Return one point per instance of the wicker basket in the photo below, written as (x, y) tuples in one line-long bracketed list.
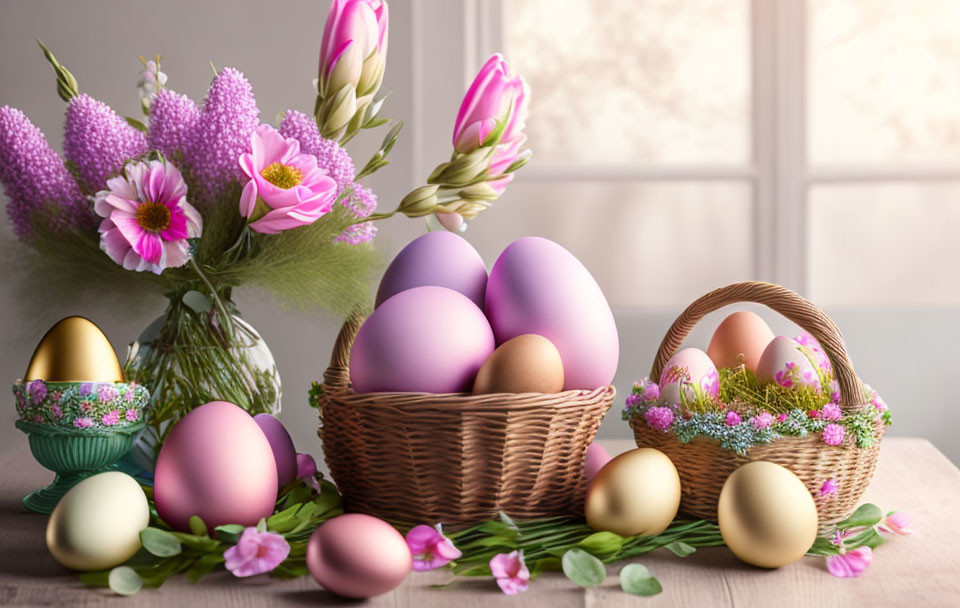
[(456, 459), (704, 466)]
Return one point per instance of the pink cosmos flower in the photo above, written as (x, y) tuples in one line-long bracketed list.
[(833, 434), (732, 418), (829, 487), (256, 552), (147, 217), (430, 548), (510, 571), (111, 418), (659, 418), (897, 522), (831, 411), (286, 189), (849, 564), (763, 420), (83, 423)]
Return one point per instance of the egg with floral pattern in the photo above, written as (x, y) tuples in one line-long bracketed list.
[(692, 370), (784, 362)]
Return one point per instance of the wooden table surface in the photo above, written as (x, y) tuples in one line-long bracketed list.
[(920, 570)]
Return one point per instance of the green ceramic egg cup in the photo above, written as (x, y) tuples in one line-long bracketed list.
[(74, 455)]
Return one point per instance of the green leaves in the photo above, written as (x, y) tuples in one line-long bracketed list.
[(866, 515), (124, 580), (602, 544), (680, 548), (160, 542), (582, 568), (636, 579), (197, 527), (229, 533)]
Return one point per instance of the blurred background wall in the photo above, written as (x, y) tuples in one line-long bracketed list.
[(679, 145)]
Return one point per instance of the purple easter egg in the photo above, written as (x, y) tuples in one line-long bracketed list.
[(538, 287), (597, 457), (282, 445), (442, 259), (425, 339)]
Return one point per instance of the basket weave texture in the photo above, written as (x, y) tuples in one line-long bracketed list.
[(704, 466), (456, 459)]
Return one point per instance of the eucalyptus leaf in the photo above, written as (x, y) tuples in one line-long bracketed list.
[(680, 548), (160, 542), (124, 580), (636, 579), (866, 515), (197, 527), (582, 568), (197, 301)]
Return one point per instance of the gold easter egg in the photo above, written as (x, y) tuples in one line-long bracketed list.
[(638, 492), (74, 350), (767, 516)]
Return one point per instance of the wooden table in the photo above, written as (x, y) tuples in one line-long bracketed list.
[(921, 570)]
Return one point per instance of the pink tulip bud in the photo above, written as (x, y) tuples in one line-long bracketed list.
[(494, 97)]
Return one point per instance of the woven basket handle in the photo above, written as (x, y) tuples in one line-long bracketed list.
[(784, 301), (338, 373)]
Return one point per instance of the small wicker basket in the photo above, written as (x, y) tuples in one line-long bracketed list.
[(704, 466), (456, 459)]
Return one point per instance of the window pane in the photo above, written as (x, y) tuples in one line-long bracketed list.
[(885, 244), (647, 244), (884, 82), (633, 81)]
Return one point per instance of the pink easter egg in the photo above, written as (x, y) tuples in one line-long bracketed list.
[(538, 287), (597, 457), (358, 556), (692, 369), (425, 339), (282, 445), (784, 362), (216, 464)]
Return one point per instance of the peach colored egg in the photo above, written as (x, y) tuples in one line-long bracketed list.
[(216, 464), (358, 556), (784, 362), (742, 334), (526, 364), (692, 368)]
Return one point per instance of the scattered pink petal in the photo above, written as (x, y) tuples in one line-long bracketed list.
[(850, 564), (897, 522), (829, 487), (256, 553), (430, 548), (510, 571)]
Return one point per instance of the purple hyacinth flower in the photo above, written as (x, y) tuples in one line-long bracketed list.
[(330, 156), (227, 122), (34, 176), (358, 233), (173, 123), (98, 141)]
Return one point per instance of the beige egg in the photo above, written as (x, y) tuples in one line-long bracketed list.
[(526, 364), (767, 516), (742, 334), (97, 524), (638, 492)]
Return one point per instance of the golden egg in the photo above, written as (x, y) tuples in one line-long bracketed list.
[(767, 516), (638, 492), (741, 337), (97, 524), (74, 350), (525, 364)]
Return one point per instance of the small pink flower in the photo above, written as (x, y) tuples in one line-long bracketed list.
[(849, 564), (129, 394), (38, 418), (814, 414), (110, 418), (829, 487), (106, 393), (55, 396), (510, 571), (286, 189), (763, 420), (659, 418), (781, 417), (430, 548), (131, 415), (831, 411), (37, 390), (632, 400), (86, 406), (879, 404), (307, 471), (833, 434), (83, 422), (57, 412), (897, 522), (256, 552), (733, 418)]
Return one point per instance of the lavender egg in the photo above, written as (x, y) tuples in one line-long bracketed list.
[(538, 287), (216, 464), (282, 445), (425, 339), (358, 556), (440, 258)]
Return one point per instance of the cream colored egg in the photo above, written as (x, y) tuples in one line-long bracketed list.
[(767, 516), (638, 492), (97, 524)]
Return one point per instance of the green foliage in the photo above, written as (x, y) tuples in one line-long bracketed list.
[(582, 568), (740, 388), (124, 580), (637, 580)]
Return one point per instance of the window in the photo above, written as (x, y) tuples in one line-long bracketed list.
[(682, 145)]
